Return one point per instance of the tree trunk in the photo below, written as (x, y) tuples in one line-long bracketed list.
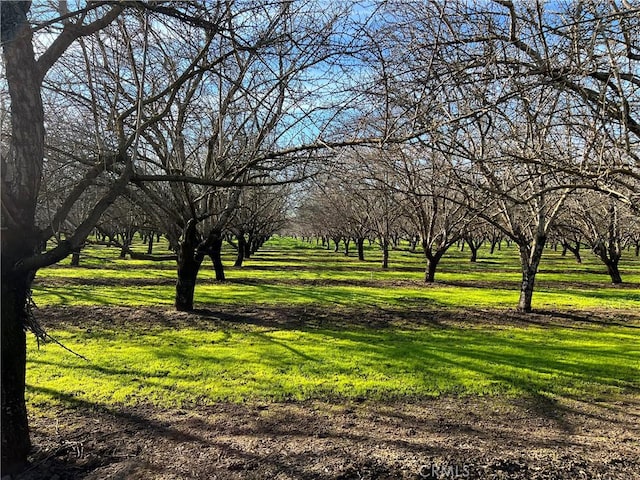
[(347, 243), (17, 244), (241, 249), (526, 290), (577, 256), (247, 247), (530, 257), (21, 178), (15, 428), (188, 266), (610, 256), (150, 246), (75, 258), (613, 271), (385, 253), (186, 284), (574, 250), (215, 253), (360, 243), (430, 271), (433, 259)]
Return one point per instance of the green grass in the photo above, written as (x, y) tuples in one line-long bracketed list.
[(289, 272), (183, 366), (352, 296)]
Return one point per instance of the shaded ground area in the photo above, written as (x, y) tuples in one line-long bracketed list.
[(418, 315), (447, 437), (474, 437), (373, 283)]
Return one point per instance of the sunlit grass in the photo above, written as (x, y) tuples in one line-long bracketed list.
[(352, 296), (181, 366), (170, 367), (290, 272)]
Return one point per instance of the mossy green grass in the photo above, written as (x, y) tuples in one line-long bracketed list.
[(292, 272), (180, 366), (177, 367)]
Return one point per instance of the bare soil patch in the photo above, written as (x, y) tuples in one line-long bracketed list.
[(474, 438), (446, 437), (309, 317)]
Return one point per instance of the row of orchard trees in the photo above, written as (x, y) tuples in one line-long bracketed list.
[(177, 109), (528, 117), (258, 214), (420, 200)]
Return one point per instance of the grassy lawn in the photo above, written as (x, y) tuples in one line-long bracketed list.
[(290, 272), (175, 367), (168, 366)]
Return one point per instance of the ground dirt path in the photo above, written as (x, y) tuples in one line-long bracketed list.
[(440, 438)]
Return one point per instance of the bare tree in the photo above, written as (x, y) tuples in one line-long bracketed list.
[(604, 224), (104, 63), (426, 183), (22, 168), (262, 212)]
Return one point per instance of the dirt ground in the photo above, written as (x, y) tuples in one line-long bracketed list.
[(447, 437)]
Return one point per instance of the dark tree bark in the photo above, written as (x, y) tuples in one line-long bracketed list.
[(247, 248), (189, 261), (611, 258), (413, 243), (75, 258), (530, 257), (474, 246), (575, 250), (21, 176), (192, 249), (16, 288), (609, 249), (215, 252), (150, 245), (242, 246), (360, 244), (433, 259), (127, 240), (336, 242), (614, 272), (526, 290), (494, 241), (385, 252)]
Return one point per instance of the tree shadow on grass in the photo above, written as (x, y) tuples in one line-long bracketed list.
[(260, 441), (605, 320)]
